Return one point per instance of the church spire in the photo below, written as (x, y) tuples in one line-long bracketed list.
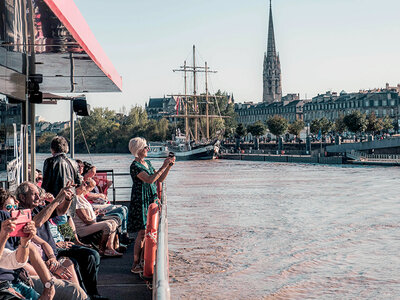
[(271, 36), (272, 88)]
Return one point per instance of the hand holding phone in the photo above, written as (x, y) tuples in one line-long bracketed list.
[(21, 217)]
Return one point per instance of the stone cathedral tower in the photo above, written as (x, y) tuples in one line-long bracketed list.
[(272, 86)]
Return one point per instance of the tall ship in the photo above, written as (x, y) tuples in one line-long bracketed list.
[(195, 143)]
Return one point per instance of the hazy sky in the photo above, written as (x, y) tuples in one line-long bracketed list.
[(323, 45)]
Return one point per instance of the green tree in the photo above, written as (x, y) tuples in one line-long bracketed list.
[(387, 124), (240, 130), (356, 122), (339, 126), (256, 129), (315, 126), (374, 124), (277, 125), (296, 127), (43, 142)]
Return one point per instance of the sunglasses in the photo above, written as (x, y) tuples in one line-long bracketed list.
[(147, 147), (9, 206)]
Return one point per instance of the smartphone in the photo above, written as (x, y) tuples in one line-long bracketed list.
[(171, 154), (22, 216)]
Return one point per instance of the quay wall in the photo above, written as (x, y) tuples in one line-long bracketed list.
[(284, 158)]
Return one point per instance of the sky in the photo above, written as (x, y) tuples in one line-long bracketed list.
[(324, 45)]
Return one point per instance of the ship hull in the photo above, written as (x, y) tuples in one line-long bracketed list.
[(201, 153)]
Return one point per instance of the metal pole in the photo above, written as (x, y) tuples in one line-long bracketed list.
[(186, 105), (72, 125), (72, 130), (25, 108), (32, 106), (207, 120), (194, 93)]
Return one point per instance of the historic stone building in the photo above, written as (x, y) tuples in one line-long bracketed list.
[(382, 102), (248, 113), (158, 108), (272, 85)]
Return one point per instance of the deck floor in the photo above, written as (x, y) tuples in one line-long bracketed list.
[(117, 282)]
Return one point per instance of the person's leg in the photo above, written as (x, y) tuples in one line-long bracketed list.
[(65, 290), (138, 250), (28, 292), (69, 265), (88, 261)]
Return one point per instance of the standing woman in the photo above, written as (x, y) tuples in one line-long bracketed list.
[(144, 192)]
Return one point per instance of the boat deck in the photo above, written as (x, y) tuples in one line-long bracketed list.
[(117, 282)]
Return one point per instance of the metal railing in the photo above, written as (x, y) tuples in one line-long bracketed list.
[(357, 155), (161, 290)]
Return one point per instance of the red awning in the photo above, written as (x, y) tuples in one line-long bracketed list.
[(69, 15)]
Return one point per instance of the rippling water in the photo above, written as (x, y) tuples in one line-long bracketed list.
[(258, 230)]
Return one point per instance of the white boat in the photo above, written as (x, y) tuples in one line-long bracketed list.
[(187, 150), (157, 150)]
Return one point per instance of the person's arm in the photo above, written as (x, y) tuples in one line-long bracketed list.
[(84, 216), (22, 252), (42, 271), (143, 176), (7, 226), (44, 215), (52, 262), (164, 175)]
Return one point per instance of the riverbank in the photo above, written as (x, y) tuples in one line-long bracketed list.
[(330, 160), (336, 160)]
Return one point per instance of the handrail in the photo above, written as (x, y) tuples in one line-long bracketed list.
[(161, 290)]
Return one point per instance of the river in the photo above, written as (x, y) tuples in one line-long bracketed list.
[(259, 230)]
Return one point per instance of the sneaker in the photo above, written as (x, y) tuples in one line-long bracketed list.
[(136, 269), (112, 253)]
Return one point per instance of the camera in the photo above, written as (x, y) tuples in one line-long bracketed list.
[(22, 217), (171, 154)]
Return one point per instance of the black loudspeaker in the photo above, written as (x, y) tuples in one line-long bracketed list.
[(35, 97), (81, 107)]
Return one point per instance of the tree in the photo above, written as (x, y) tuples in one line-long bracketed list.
[(315, 126), (240, 130), (339, 126), (374, 124), (296, 127), (387, 124), (356, 121), (326, 125), (277, 125), (256, 129)]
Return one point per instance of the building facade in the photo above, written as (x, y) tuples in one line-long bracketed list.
[(383, 102), (248, 113), (272, 84), (159, 108)]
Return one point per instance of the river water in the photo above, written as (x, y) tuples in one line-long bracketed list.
[(259, 230)]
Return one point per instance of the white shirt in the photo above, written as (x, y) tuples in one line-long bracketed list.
[(8, 260), (82, 203)]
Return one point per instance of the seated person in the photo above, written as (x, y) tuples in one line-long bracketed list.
[(86, 224), (63, 269), (28, 195), (21, 282), (120, 211)]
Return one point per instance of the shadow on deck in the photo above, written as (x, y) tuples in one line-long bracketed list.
[(117, 282)]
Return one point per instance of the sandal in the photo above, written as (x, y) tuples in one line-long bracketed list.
[(136, 269), (112, 253)]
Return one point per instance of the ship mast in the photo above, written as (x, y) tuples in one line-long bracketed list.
[(196, 137), (207, 119), (186, 104), (196, 116)]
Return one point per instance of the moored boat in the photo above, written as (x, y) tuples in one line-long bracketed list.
[(157, 150)]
